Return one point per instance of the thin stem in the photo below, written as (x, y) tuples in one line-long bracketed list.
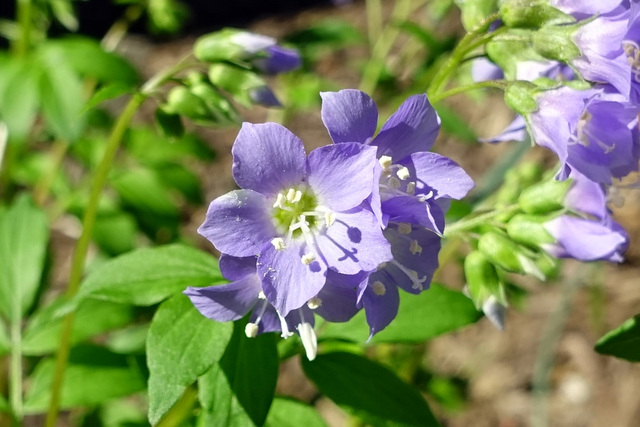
[(466, 45), (24, 12), (469, 224), (383, 45), (499, 84), (374, 21), (15, 369), (119, 29), (182, 410), (41, 191), (88, 222)]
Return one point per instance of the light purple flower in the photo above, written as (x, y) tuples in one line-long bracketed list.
[(586, 8), (589, 233), (336, 302), (300, 216), (414, 187), (267, 55)]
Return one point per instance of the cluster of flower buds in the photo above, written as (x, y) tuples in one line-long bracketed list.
[(339, 230), (236, 60)]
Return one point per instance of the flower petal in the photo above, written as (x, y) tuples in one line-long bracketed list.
[(380, 309), (244, 212), (353, 243), (338, 302), (342, 175), (441, 174), (267, 158), (416, 251), (288, 283), (410, 210), (269, 321), (236, 268), (227, 302), (412, 128), (349, 115)]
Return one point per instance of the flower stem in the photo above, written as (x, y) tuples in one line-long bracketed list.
[(500, 84), (469, 42), (470, 223), (15, 369), (24, 17)]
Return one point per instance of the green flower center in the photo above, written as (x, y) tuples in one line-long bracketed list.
[(294, 211)]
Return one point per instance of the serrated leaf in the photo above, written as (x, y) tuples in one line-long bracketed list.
[(149, 275), (368, 390), (93, 375), (23, 242), (181, 346), (62, 97), (622, 342), (420, 317), (93, 317), (239, 390), (292, 413)]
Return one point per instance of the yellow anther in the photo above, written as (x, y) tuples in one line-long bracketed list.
[(308, 258), (251, 330), (379, 288), (385, 161), (403, 173), (415, 248), (411, 187), (404, 228), (278, 243), (314, 303)]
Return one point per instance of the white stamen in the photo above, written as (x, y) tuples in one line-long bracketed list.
[(291, 194), (314, 303), (261, 295), (411, 187), (297, 197), (278, 243), (329, 218), (424, 197), (379, 288), (279, 201), (308, 258), (385, 161), (394, 183), (309, 340), (284, 327), (403, 173), (417, 283), (404, 228), (251, 330), (415, 247)]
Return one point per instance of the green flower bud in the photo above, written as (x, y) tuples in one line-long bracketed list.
[(556, 42), (548, 265), (238, 82), (482, 279), (220, 108), (505, 253), (531, 14), (520, 97), (220, 46), (545, 197), (475, 11), (180, 100), (529, 230)]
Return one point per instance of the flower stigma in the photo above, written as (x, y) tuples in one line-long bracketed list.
[(294, 210)]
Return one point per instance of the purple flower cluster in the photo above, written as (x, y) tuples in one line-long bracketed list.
[(335, 231)]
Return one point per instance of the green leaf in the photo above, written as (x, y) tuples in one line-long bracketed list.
[(170, 124), (62, 97), (23, 242), (128, 340), (5, 344), (148, 276), (93, 375), (63, 11), (93, 317), (420, 317), (292, 413), (19, 95), (182, 179), (4, 405), (116, 233), (143, 190), (239, 390), (147, 147), (86, 57), (182, 345), (368, 390), (622, 342), (105, 93)]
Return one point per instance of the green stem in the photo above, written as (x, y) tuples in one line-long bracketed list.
[(383, 45), (469, 42), (470, 223), (15, 369), (24, 12), (182, 410), (499, 84), (374, 21), (88, 222)]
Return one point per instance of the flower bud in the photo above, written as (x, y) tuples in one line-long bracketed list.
[(531, 14), (222, 111), (482, 278), (230, 45), (545, 197), (503, 252), (556, 42), (529, 230), (180, 100), (520, 97), (246, 86)]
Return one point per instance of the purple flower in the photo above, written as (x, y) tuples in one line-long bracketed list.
[(267, 55), (589, 233), (335, 302), (413, 187), (586, 8), (300, 217), (594, 132)]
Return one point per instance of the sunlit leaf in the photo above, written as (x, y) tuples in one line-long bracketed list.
[(622, 342), (292, 413)]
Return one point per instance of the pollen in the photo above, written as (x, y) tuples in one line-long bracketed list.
[(394, 183), (403, 173), (261, 295), (308, 258), (278, 243), (251, 330), (314, 303), (415, 247), (385, 161), (404, 228), (379, 288)]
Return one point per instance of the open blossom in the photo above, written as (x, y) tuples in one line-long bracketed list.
[(589, 233), (414, 187), (300, 217), (335, 302)]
